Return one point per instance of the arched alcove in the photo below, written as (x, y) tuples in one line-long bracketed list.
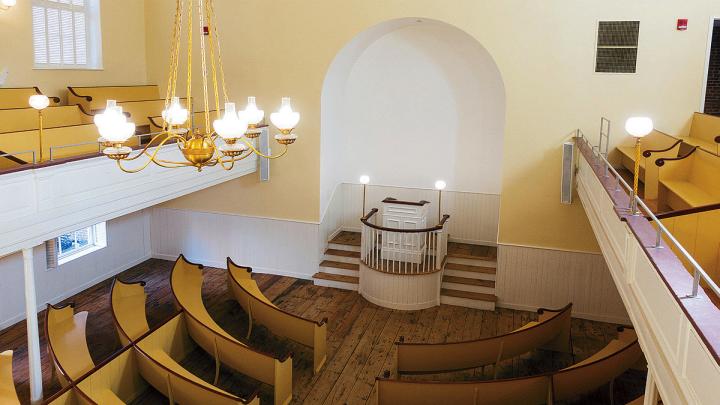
[(410, 101)]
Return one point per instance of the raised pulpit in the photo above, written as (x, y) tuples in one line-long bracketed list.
[(407, 247)]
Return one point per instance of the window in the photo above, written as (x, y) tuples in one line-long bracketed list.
[(76, 244), (66, 34), (617, 46)]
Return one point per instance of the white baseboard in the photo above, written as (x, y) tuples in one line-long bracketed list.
[(41, 306), (473, 241), (222, 265), (581, 315)]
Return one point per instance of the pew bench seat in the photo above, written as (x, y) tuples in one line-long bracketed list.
[(688, 193), (8, 395)]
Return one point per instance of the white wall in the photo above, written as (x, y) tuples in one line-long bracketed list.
[(128, 244), (410, 104)]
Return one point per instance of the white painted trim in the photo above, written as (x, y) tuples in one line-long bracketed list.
[(223, 265), (706, 71)]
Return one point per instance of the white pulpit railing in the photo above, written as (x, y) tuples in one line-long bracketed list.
[(402, 251)]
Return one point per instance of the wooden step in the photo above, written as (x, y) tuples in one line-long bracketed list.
[(467, 267), (468, 295), (347, 238), (469, 281), (470, 251), (337, 277), (343, 253), (340, 265)]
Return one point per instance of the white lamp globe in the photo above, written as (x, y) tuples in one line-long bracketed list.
[(113, 124), (39, 101), (440, 185), (175, 114), (639, 127), (285, 119), (8, 3), (231, 126), (252, 113), (364, 179)]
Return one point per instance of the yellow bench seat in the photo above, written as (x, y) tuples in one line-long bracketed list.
[(693, 195)]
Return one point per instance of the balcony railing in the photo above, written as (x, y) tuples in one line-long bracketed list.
[(403, 251)]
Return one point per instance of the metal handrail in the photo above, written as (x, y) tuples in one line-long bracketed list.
[(20, 153), (698, 272)]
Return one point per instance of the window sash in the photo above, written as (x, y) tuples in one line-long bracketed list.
[(57, 26), (91, 243)]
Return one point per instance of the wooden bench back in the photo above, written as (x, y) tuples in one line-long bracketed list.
[(20, 119), (67, 340), (19, 97), (69, 396), (141, 111), (127, 302), (117, 381), (8, 394), (95, 98), (705, 127), (432, 358)]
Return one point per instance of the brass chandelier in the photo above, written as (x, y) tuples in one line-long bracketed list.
[(232, 134)]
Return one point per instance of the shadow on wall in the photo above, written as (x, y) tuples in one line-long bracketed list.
[(411, 101)]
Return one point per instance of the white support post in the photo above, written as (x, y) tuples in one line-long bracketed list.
[(651, 391), (35, 367)]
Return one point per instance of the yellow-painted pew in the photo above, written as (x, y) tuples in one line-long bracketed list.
[(69, 396), (17, 97), (690, 182), (95, 98), (67, 342), (551, 331), (159, 351), (118, 381), (307, 332), (8, 394), (704, 130), (141, 112), (21, 119), (186, 282), (655, 141), (586, 376), (156, 121)]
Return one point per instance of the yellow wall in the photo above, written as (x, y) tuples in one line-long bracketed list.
[(544, 50), (123, 32)]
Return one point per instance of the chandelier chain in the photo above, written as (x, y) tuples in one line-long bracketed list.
[(203, 64), (216, 33), (211, 34)]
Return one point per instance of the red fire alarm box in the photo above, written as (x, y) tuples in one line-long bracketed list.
[(206, 30), (682, 24)]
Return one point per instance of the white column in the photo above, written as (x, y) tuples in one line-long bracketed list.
[(35, 367), (651, 392)]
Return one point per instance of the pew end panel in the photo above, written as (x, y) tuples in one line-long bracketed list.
[(704, 130), (117, 381), (69, 396), (67, 342), (127, 302), (8, 394), (563, 341)]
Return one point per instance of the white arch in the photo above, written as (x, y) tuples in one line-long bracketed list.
[(415, 100)]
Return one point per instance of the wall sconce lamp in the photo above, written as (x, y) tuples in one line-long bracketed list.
[(364, 180), (7, 4), (638, 128), (440, 186), (39, 102)]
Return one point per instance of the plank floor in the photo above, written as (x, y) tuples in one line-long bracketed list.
[(360, 338)]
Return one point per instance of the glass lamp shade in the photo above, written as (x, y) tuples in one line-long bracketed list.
[(252, 113), (364, 179), (232, 125), (285, 119), (175, 114), (440, 185), (39, 101), (639, 127), (113, 124), (8, 4)]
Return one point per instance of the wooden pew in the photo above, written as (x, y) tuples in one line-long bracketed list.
[(692, 180), (307, 332), (95, 97), (655, 141), (601, 368), (157, 351), (69, 396), (67, 342), (17, 97), (704, 132), (141, 112), (186, 282), (116, 381), (8, 395), (21, 119), (551, 331)]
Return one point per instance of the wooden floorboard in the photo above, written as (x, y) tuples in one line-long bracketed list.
[(360, 339)]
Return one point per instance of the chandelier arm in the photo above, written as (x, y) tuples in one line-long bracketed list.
[(257, 152), (211, 35), (151, 160), (219, 50), (148, 146)]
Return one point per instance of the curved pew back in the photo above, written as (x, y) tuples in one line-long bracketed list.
[(583, 377), (141, 111), (155, 355), (21, 119), (117, 381), (186, 282), (95, 98), (67, 342), (8, 395), (552, 331), (279, 322), (127, 301), (705, 127), (18, 97)]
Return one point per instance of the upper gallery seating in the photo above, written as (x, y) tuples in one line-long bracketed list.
[(21, 119), (95, 98), (8, 395), (660, 143), (156, 121), (261, 310), (186, 281), (18, 97), (690, 181), (141, 112), (551, 331), (583, 377), (159, 352), (67, 342), (704, 132)]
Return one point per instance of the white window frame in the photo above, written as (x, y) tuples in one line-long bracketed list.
[(97, 235), (93, 35)]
